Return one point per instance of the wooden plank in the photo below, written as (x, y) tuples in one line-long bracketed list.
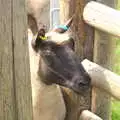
[(103, 78), (83, 33), (21, 62), (87, 115), (7, 106), (102, 17)]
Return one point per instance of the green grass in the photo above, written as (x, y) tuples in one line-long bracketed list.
[(116, 69), (118, 4), (116, 66), (115, 110)]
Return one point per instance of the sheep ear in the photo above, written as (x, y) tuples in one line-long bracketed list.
[(41, 32), (36, 43), (63, 28)]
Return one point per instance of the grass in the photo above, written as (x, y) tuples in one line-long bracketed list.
[(115, 110), (116, 69)]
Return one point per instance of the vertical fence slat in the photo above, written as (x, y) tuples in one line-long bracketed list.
[(21, 62), (103, 48), (15, 93), (7, 111)]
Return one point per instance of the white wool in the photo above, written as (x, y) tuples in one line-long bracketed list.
[(57, 37), (30, 36)]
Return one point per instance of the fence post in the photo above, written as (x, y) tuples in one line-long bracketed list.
[(15, 87), (103, 48)]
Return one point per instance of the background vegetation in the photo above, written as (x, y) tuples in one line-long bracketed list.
[(116, 68)]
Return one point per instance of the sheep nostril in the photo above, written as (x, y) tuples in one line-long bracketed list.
[(84, 83), (81, 84)]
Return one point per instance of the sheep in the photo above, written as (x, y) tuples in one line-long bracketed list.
[(52, 61)]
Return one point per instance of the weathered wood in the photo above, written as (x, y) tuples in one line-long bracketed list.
[(103, 78), (15, 88), (7, 106), (103, 50), (83, 33), (21, 62), (75, 103), (102, 17), (87, 115)]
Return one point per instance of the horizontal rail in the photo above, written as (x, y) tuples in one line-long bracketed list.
[(102, 17), (87, 115), (103, 78)]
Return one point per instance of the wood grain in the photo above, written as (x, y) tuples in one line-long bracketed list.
[(7, 106), (103, 78), (15, 88), (21, 62), (102, 17)]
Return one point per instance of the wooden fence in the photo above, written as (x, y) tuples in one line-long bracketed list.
[(102, 79), (106, 19), (15, 84), (96, 46)]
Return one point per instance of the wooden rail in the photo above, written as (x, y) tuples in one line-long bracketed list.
[(103, 78), (102, 17), (87, 115)]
